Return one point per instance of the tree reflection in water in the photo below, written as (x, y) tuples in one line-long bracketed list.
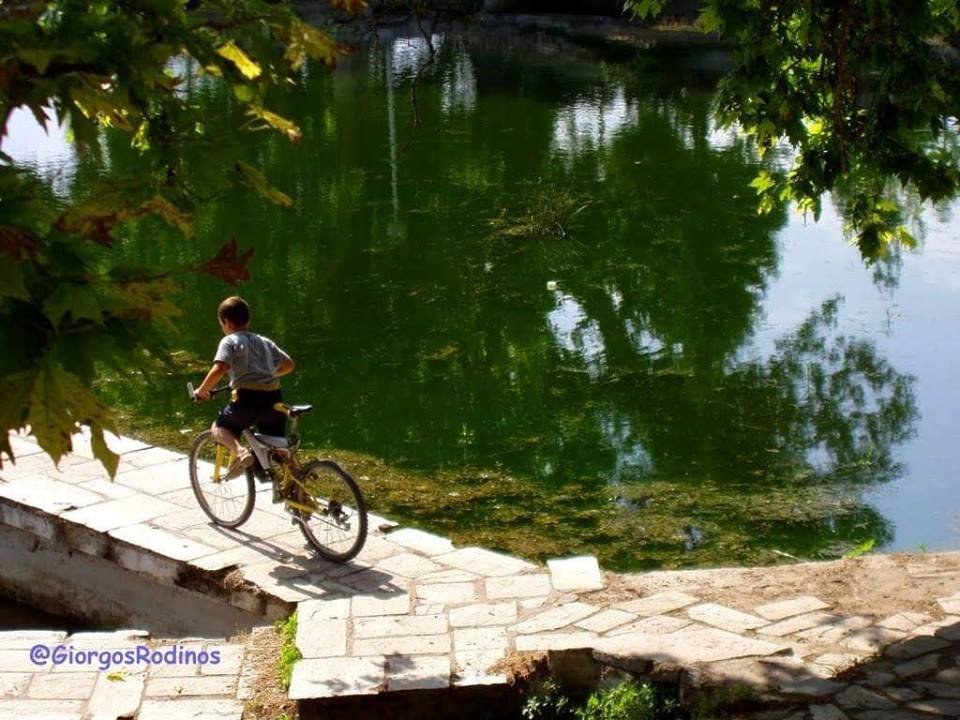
[(616, 415)]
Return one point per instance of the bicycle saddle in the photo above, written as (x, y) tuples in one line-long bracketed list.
[(293, 410)]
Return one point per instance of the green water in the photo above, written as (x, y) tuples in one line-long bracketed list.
[(536, 310)]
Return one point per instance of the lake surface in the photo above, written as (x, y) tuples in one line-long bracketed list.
[(536, 310)]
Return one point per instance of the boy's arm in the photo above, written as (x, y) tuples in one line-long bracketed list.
[(285, 367), (217, 371), (284, 363)]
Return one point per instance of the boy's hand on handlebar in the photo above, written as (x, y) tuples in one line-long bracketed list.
[(202, 395)]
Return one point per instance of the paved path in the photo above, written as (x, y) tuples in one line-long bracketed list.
[(415, 612)]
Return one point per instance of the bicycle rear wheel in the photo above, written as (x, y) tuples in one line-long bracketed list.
[(227, 502), (337, 527)]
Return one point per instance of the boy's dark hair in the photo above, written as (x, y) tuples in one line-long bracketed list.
[(234, 309)]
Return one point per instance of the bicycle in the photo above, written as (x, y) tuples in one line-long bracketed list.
[(322, 497)]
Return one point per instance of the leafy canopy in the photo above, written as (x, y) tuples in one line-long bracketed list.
[(67, 305), (865, 92)]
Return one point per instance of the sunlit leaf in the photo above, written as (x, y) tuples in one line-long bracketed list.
[(277, 122), (109, 459), (248, 68), (256, 179)]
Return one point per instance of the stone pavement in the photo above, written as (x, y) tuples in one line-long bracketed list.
[(413, 612), (88, 684)]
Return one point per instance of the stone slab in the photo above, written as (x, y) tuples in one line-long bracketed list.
[(50, 496), (947, 708), (919, 666), (187, 686), (26, 639), (605, 620), (518, 586), (826, 712), (14, 684), (221, 708), (656, 625), (914, 647), (22, 709), (555, 641), (555, 618), (334, 608), (476, 639), (950, 605), (231, 659), (871, 639), (337, 677), (859, 698), (474, 668), (936, 689), (148, 456), (161, 542), (322, 638), (445, 593), (725, 618), (113, 514), (484, 562), (65, 686), (116, 698), (420, 541), (658, 604), (156, 479), (576, 574), (399, 625), (407, 564), (789, 608), (484, 614), (429, 672), (690, 645), (379, 604), (403, 645)]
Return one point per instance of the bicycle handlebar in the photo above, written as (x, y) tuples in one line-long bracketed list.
[(193, 393)]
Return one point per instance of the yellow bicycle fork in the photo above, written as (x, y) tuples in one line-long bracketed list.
[(219, 464), (224, 459)]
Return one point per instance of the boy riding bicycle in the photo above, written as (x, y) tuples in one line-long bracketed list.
[(254, 363)]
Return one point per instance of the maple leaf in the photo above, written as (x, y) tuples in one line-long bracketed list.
[(226, 265), (17, 243)]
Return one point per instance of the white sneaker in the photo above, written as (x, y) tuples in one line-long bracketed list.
[(241, 462)]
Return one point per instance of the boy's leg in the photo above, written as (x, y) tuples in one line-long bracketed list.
[(225, 437)]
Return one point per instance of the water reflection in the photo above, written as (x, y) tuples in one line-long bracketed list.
[(615, 415)]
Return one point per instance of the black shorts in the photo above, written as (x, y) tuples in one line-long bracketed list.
[(253, 407)]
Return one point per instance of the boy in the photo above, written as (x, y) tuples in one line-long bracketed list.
[(254, 363)]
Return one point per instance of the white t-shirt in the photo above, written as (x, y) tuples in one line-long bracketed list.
[(251, 358)]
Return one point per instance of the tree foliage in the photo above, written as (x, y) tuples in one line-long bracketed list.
[(865, 92), (66, 304)]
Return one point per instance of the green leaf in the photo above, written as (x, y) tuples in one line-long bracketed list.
[(277, 122), (244, 93), (763, 182), (15, 391), (248, 68), (256, 179), (861, 549), (11, 280), (80, 300), (109, 459), (59, 403)]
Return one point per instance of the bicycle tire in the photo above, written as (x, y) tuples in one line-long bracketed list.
[(238, 485), (352, 538)]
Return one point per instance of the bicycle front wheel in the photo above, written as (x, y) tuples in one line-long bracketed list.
[(331, 510), (227, 502)]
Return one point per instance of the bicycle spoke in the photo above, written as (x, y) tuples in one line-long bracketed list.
[(337, 527), (227, 502)]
